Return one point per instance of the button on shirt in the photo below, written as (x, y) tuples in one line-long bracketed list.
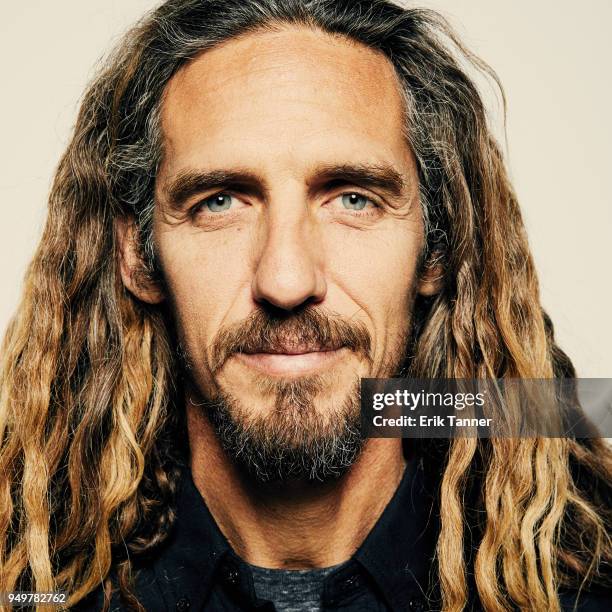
[(197, 570)]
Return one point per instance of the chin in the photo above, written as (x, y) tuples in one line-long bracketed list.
[(299, 436)]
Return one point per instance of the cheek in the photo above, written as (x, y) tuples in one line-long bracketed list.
[(377, 268), (204, 273)]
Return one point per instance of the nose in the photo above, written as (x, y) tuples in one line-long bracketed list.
[(289, 271)]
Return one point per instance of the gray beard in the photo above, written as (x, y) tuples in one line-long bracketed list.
[(295, 441)]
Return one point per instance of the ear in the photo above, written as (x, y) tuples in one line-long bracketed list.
[(131, 266), (431, 277)]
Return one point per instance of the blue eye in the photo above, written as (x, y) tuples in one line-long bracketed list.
[(218, 203), (354, 201)]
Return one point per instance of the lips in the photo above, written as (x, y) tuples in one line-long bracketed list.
[(291, 360), (311, 332), (292, 349)]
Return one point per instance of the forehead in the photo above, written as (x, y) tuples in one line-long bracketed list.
[(293, 91)]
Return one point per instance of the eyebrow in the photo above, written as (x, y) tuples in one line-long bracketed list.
[(375, 176), (189, 183)]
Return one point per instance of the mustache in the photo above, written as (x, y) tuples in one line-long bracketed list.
[(310, 329)]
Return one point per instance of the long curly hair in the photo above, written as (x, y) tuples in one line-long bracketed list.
[(91, 423)]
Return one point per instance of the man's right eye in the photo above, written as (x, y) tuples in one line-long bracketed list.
[(217, 203)]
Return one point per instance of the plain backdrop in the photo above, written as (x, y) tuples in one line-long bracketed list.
[(553, 58)]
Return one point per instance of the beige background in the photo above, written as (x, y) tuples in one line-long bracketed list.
[(553, 59)]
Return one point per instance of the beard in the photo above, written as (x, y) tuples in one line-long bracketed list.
[(295, 440)]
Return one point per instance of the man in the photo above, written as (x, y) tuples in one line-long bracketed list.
[(263, 203)]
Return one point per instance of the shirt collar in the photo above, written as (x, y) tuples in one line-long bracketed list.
[(195, 548), (397, 553)]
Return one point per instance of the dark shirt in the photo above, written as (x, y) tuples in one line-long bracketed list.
[(197, 570)]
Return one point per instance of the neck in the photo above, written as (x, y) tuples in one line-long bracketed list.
[(299, 525)]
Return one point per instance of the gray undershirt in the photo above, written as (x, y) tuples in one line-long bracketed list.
[(291, 590)]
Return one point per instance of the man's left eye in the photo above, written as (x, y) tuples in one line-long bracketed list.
[(355, 201)]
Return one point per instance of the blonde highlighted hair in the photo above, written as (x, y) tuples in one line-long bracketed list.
[(91, 424)]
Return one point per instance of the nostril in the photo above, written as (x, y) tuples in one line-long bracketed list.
[(288, 290), (278, 312)]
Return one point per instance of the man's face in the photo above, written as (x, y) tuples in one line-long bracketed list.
[(288, 228)]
